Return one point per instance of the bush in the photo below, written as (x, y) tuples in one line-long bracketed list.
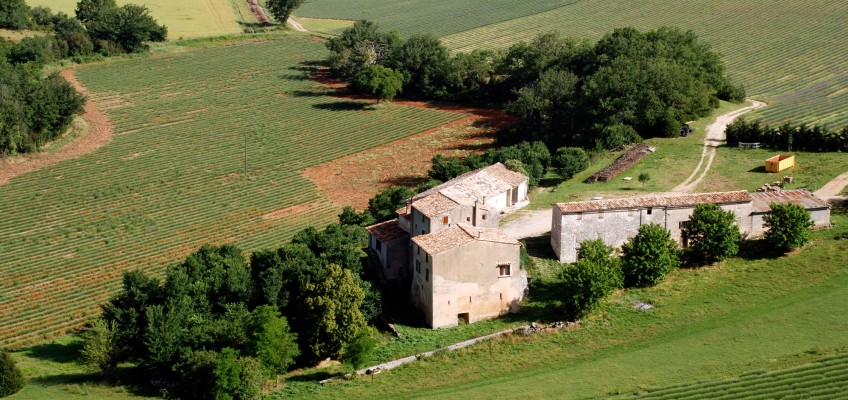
[(585, 283), (100, 349), (357, 352), (649, 256), (570, 161), (788, 226), (595, 250), (711, 233), (11, 378)]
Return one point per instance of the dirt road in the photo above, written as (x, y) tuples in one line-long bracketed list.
[(833, 189), (296, 25)]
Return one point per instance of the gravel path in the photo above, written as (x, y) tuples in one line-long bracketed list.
[(296, 25), (529, 223), (833, 189)]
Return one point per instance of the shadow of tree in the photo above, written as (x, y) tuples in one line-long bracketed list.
[(540, 246), (757, 249), (342, 106), (64, 353)]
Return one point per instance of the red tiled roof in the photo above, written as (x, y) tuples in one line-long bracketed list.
[(655, 201), (387, 231), (494, 175), (458, 235), (434, 205), (801, 197)]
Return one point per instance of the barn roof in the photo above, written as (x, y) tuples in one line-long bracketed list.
[(801, 197), (387, 231), (468, 188), (434, 243), (631, 203)]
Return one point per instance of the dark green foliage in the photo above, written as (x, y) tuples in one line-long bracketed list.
[(788, 226), (126, 311), (570, 161), (787, 137), (385, 83), (11, 378), (383, 206), (124, 28), (424, 63), (196, 374), (100, 350), (360, 47), (546, 107), (349, 216), (534, 156), (614, 136), (644, 177), (517, 166), (712, 233), (212, 277), (14, 14), (236, 378), (282, 9), (357, 352), (35, 49), (649, 257), (595, 275), (336, 244)]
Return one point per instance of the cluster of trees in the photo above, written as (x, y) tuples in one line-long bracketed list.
[(11, 378), (282, 9), (787, 136), (34, 109), (565, 92), (218, 326), (100, 27), (649, 256)]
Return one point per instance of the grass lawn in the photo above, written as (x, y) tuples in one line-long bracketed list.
[(186, 125), (750, 313), (325, 26), (184, 18)]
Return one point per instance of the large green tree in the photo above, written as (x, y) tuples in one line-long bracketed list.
[(649, 257), (385, 83), (271, 340), (282, 9), (587, 281), (14, 14), (788, 226), (570, 161), (332, 312), (712, 233)]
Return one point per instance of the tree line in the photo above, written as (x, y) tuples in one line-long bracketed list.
[(651, 255), (221, 324), (787, 137), (565, 92)]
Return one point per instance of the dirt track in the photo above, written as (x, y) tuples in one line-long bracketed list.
[(99, 133)]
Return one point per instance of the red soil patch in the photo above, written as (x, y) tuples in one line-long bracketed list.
[(354, 179), (258, 12), (99, 134)]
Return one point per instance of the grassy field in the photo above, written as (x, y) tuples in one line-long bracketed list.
[(748, 313), (184, 18), (173, 176)]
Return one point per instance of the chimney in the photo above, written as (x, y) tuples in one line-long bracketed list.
[(409, 205)]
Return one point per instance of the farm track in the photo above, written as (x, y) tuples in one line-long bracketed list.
[(99, 133)]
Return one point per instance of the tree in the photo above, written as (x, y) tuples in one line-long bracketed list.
[(649, 256), (788, 226), (546, 107), (384, 204), (236, 378), (100, 351), (712, 233), (357, 352), (425, 64), (569, 161), (516, 165), (595, 250), (271, 341), (385, 83), (14, 14), (11, 378), (282, 9), (644, 178), (586, 282), (332, 312)]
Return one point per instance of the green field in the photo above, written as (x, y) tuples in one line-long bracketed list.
[(184, 18), (172, 177), (824, 379), (790, 54)]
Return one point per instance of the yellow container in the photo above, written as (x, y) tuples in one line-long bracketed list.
[(779, 163)]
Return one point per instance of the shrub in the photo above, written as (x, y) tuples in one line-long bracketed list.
[(570, 161), (649, 256), (711, 233), (585, 283), (788, 226), (11, 378), (100, 349), (357, 352), (595, 250)]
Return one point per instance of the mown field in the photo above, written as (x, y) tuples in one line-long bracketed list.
[(173, 176), (184, 18), (790, 54)]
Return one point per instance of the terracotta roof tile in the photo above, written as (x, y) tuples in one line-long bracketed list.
[(458, 235), (801, 197), (387, 231), (434, 205), (655, 201), (478, 183)]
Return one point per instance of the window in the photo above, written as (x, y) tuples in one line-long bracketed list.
[(426, 257), (417, 265), (484, 216), (650, 211), (379, 244), (418, 250), (467, 219), (445, 220), (504, 270), (427, 274), (683, 224)]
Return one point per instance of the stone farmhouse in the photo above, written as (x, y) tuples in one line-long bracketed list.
[(616, 220), (446, 246)]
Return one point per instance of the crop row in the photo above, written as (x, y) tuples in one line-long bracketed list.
[(823, 379), (172, 176)]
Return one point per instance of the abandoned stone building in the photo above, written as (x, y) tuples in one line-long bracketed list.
[(616, 220), (474, 200)]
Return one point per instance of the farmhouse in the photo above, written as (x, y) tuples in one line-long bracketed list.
[(616, 220), (466, 273), (456, 224)]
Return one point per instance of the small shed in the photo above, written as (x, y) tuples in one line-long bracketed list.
[(779, 163)]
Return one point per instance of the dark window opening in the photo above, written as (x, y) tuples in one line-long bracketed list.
[(504, 270), (650, 211), (427, 274)]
